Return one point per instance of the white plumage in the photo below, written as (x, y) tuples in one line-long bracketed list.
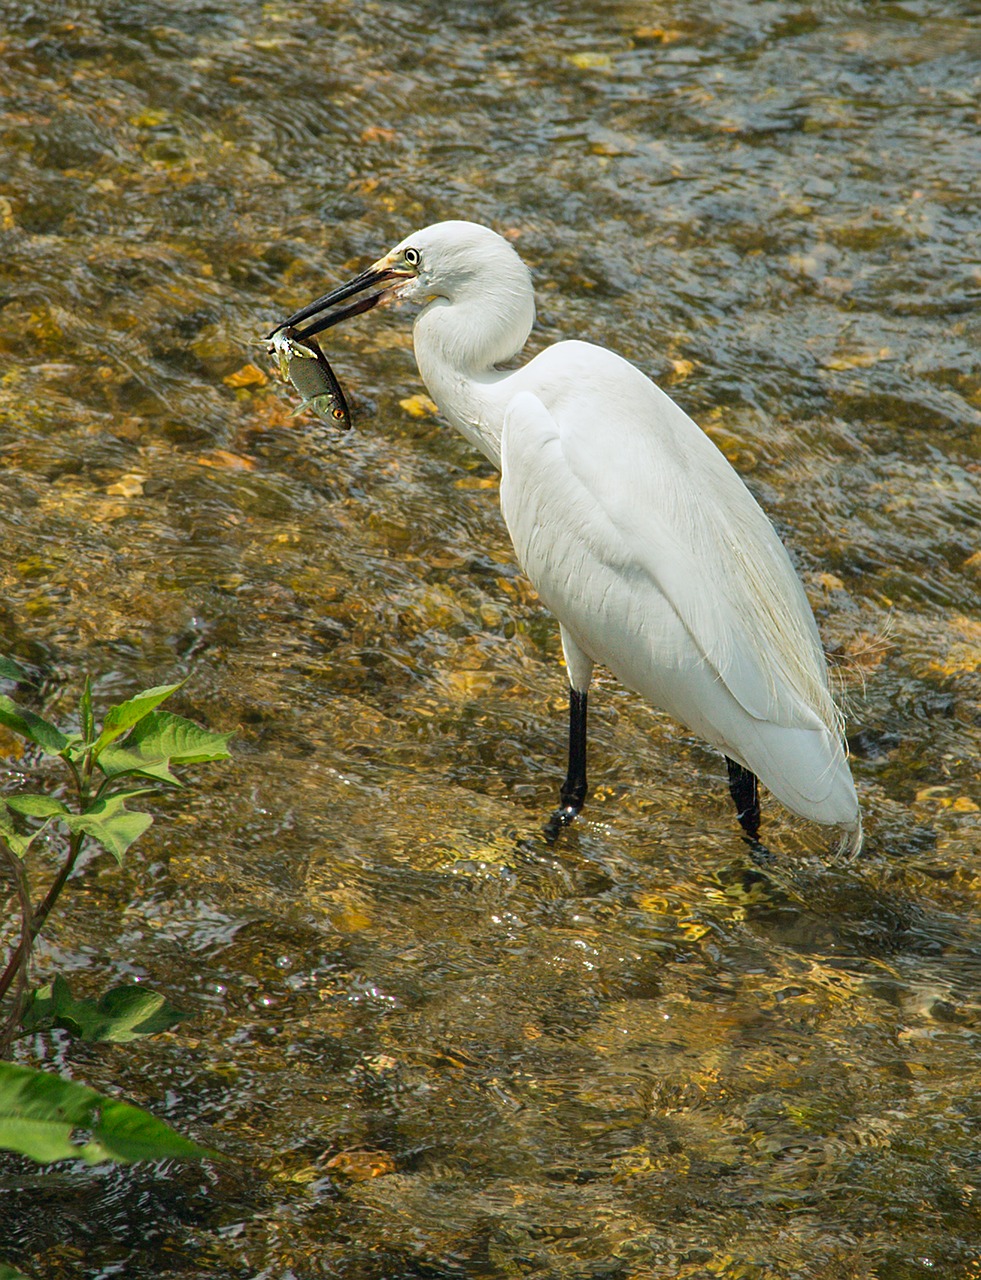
[(634, 529)]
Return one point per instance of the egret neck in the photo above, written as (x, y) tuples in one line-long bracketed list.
[(460, 340)]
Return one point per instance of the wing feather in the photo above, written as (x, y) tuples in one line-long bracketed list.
[(623, 489)]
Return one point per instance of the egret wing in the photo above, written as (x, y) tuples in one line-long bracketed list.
[(608, 487)]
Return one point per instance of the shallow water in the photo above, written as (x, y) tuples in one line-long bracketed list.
[(635, 1053)]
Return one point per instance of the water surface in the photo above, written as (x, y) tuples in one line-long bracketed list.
[(636, 1053)]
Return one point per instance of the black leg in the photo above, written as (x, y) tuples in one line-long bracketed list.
[(573, 792), (745, 792)]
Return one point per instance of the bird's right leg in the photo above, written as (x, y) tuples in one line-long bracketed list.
[(745, 791), (573, 792)]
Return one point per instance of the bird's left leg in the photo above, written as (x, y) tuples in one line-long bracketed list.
[(573, 793), (745, 791)]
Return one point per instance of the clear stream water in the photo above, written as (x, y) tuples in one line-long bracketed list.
[(633, 1054)]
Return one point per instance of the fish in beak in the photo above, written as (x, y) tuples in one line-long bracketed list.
[(306, 366)]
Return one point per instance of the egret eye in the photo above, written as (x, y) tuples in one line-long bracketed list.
[(411, 257)]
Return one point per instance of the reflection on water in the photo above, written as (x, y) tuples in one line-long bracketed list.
[(636, 1053)]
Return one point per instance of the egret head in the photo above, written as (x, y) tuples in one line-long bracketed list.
[(462, 264), (452, 260)]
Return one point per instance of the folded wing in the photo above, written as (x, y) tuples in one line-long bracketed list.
[(652, 553)]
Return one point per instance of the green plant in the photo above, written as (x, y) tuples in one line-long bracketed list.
[(132, 754), (47, 1118), (50, 1119)]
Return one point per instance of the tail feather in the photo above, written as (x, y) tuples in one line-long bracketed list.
[(851, 842)]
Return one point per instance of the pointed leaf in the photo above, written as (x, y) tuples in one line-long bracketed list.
[(49, 1006), (38, 1009), (111, 823), (165, 736), (9, 833), (132, 1011), (40, 1112), (35, 806), (120, 762), (10, 670), (122, 1014), (124, 716), (125, 1133), (12, 838), (46, 735), (43, 1140)]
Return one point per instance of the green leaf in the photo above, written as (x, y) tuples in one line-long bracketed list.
[(40, 1114), (125, 1133), (123, 717), (11, 1273), (14, 841), (43, 1140), (120, 762), (164, 736), (9, 833), (122, 1014), (46, 735), (10, 670), (35, 806), (160, 740), (111, 823)]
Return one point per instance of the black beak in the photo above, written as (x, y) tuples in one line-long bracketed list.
[(374, 275)]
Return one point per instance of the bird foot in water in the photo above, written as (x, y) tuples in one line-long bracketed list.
[(759, 853), (559, 819)]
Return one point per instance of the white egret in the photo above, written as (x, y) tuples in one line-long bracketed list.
[(633, 528)]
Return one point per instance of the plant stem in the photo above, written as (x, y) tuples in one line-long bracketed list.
[(75, 842), (34, 920), (17, 966)]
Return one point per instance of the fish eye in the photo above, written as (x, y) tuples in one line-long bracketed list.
[(411, 256)]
